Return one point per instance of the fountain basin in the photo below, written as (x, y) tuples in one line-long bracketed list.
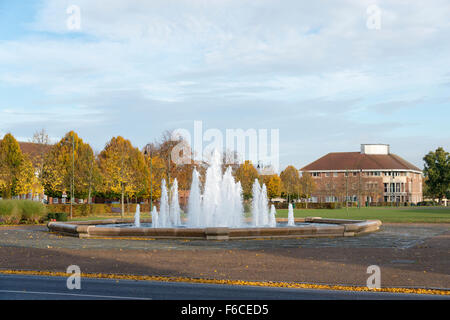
[(311, 227)]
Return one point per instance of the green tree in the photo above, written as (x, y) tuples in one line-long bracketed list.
[(437, 173)]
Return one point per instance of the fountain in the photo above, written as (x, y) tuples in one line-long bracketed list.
[(174, 207), (217, 213), (260, 205), (272, 219), (137, 217), (164, 209), (221, 202), (291, 220), (155, 218)]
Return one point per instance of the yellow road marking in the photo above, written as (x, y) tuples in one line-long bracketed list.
[(231, 282)]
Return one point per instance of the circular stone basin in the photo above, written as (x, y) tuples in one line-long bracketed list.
[(304, 228), (279, 225)]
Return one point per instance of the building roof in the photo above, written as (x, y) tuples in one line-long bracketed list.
[(359, 161), (33, 150)]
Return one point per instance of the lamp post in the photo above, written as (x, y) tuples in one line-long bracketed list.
[(346, 190), (359, 189), (73, 176)]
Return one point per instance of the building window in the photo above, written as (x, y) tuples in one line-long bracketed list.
[(335, 174)]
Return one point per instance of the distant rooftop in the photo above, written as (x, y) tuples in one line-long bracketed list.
[(371, 157)]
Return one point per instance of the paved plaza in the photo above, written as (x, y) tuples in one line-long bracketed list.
[(409, 255)]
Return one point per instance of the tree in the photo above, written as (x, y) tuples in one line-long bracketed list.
[(158, 172), (57, 172), (437, 173), (40, 137), (273, 183), (290, 179), (163, 150), (27, 180), (124, 170), (16, 169), (246, 174), (307, 186)]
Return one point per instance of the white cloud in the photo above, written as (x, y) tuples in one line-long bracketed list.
[(199, 58)]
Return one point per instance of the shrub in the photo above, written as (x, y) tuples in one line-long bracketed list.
[(58, 216), (16, 211), (9, 213), (427, 204), (6, 207), (32, 211)]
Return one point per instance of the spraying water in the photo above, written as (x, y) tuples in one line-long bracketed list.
[(264, 207), (195, 202), (137, 217), (256, 191), (272, 219), (260, 205), (221, 202), (155, 218), (175, 218), (291, 221), (164, 210)]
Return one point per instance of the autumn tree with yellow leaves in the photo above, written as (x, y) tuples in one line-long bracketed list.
[(246, 174), (307, 186), (290, 181), (16, 170), (273, 183), (123, 169), (69, 159)]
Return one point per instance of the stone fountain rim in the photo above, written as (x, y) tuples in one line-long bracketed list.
[(338, 228)]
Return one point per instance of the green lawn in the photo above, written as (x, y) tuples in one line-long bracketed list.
[(407, 214)]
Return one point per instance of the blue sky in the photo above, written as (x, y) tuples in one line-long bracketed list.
[(312, 69)]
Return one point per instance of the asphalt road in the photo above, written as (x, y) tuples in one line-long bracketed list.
[(18, 287)]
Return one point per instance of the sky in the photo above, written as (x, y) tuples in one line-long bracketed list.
[(323, 73)]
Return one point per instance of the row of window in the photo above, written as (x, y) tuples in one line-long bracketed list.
[(366, 173), (394, 187)]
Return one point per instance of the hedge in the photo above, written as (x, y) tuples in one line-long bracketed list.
[(311, 205), (58, 216), (83, 210)]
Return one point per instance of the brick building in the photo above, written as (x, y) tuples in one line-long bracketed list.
[(372, 175)]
